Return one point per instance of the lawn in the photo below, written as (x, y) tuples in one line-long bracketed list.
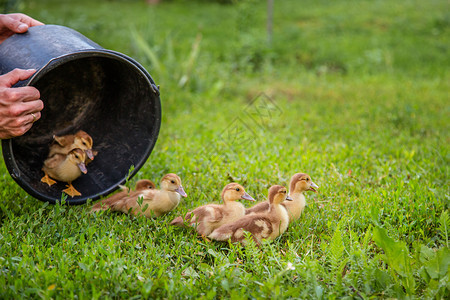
[(354, 93)]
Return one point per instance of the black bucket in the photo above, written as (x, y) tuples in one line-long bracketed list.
[(83, 87)]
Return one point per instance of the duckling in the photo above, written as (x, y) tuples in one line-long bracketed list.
[(154, 202), (266, 225), (208, 217), (300, 182), (141, 185), (65, 168), (64, 144)]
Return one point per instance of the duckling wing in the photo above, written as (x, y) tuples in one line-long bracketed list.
[(124, 188), (258, 225), (61, 145), (258, 208), (205, 218), (200, 215), (123, 201), (210, 213), (132, 201), (64, 140), (124, 204), (54, 161), (108, 202)]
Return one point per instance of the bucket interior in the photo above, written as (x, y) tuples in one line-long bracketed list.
[(107, 96)]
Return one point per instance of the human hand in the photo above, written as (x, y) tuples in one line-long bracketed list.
[(15, 23), (19, 107)]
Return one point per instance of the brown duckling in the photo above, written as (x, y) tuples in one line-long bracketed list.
[(64, 144), (266, 225), (154, 202), (141, 185), (65, 168), (208, 217), (299, 183)]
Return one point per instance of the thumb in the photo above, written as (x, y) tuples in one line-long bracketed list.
[(15, 24), (16, 75), (22, 27)]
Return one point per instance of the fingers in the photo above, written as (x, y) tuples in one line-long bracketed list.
[(13, 77), (30, 22), (25, 94), (13, 23), (19, 119), (19, 107), (37, 116), (22, 99), (19, 23), (15, 127), (33, 117), (27, 119)]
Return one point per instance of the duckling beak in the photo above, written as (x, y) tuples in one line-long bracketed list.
[(180, 191), (90, 154), (313, 187), (247, 197), (82, 167), (288, 198)]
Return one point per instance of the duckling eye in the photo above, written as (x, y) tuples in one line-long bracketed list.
[(284, 192), (307, 179), (172, 181), (238, 189)]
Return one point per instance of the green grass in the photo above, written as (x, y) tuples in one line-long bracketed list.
[(358, 95)]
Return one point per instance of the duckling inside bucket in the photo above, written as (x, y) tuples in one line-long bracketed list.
[(102, 96)]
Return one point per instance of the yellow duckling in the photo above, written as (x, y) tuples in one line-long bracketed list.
[(208, 217), (65, 168), (64, 144), (299, 183), (141, 185), (266, 225), (154, 202)]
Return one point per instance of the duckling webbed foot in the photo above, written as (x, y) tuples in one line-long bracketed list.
[(46, 179), (71, 191)]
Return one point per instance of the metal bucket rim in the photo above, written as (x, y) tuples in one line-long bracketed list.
[(65, 58)]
